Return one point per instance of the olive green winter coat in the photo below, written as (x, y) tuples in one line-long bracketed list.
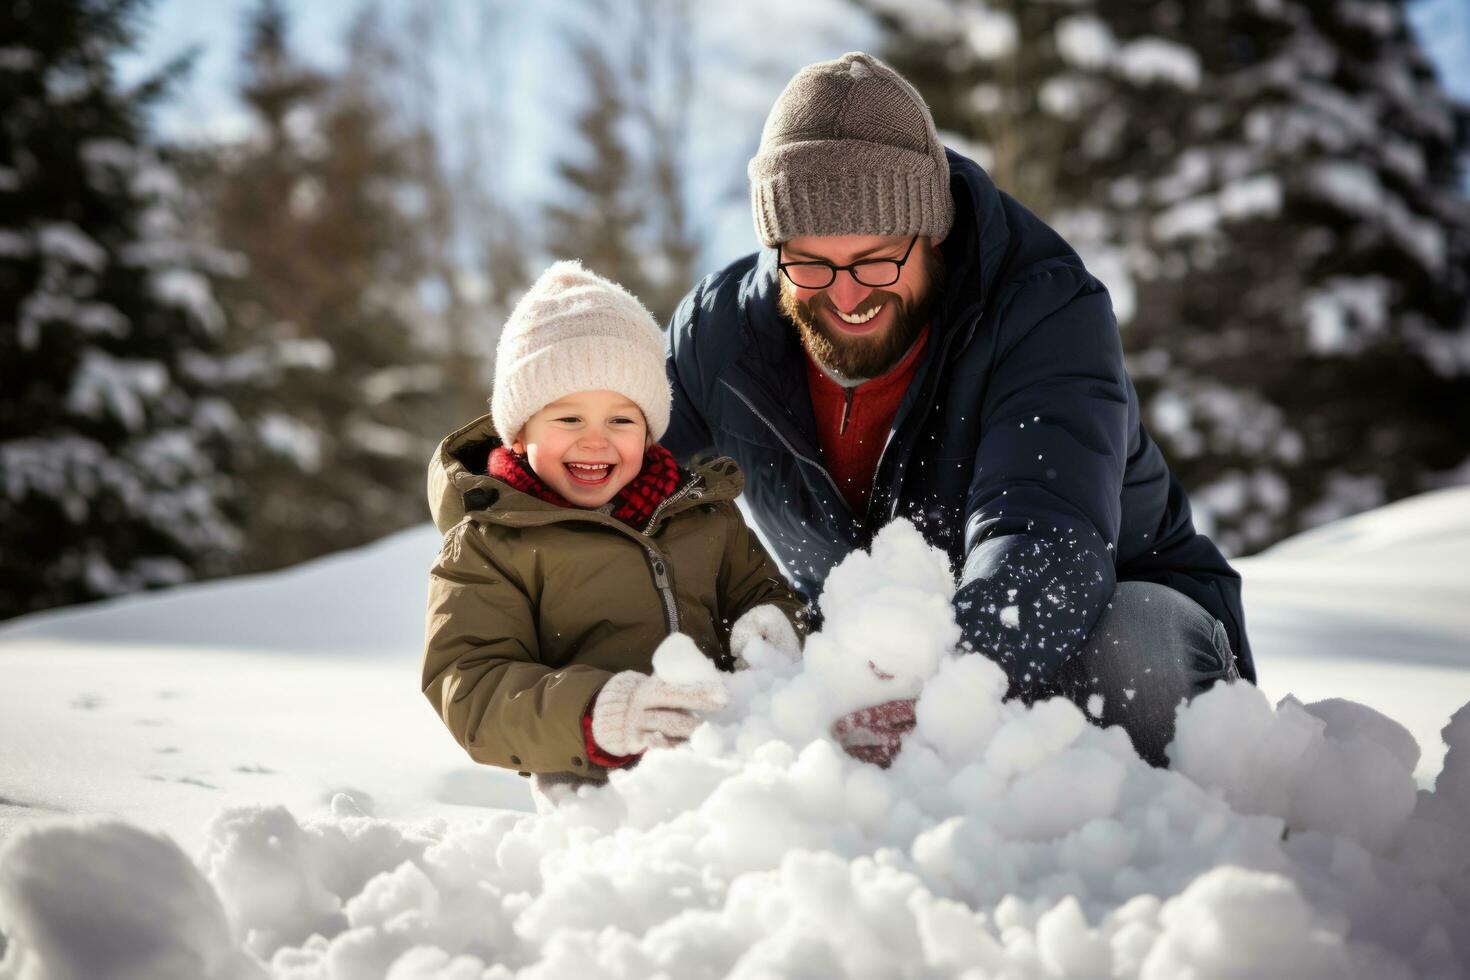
[(533, 607)]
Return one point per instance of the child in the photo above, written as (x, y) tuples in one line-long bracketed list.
[(574, 545)]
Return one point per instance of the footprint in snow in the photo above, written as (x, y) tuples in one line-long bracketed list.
[(87, 702), (185, 780)]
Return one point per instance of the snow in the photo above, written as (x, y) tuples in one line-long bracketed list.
[(1447, 352), (306, 353), (1063, 96), (15, 58), (120, 388), (1358, 191), (65, 241), (61, 886), (1347, 314), (990, 34), (387, 384), (678, 661), (12, 244), (1251, 197), (1153, 59), (1085, 41), (385, 440), (190, 292), (291, 438), (270, 727)]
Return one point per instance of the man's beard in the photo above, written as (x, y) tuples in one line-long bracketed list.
[(862, 357)]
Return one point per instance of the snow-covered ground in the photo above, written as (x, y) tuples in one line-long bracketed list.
[(272, 728)]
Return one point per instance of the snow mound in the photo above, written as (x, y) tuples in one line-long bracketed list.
[(1005, 840), (1431, 526), (1388, 584), (99, 898), (368, 600)]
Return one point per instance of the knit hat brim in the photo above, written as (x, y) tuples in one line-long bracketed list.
[(579, 364), (813, 187)]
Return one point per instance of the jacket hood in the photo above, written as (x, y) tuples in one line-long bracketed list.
[(458, 482), (981, 236)]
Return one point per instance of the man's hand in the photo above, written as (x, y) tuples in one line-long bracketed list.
[(635, 712), (875, 734)]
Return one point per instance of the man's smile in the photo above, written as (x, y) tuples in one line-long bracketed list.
[(862, 317), (862, 321)]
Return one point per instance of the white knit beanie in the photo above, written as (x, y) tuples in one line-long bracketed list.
[(576, 331)]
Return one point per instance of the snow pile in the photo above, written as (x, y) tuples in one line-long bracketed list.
[(104, 899), (1015, 841)]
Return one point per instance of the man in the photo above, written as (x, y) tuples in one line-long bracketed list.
[(912, 342)]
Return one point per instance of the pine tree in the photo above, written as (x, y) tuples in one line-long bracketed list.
[(322, 205), (1310, 325), (598, 223), (114, 450), (1271, 191), (621, 206)]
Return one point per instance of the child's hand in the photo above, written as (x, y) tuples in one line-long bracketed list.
[(635, 712), (766, 623)]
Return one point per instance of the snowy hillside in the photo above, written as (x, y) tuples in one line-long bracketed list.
[(272, 726)]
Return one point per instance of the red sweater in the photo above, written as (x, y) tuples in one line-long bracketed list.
[(853, 423)]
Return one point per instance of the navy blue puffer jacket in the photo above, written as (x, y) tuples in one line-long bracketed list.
[(1018, 448)]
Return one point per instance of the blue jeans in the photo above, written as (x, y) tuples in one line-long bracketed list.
[(1152, 648)]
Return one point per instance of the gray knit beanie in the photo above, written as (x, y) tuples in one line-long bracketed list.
[(849, 149), (576, 331)]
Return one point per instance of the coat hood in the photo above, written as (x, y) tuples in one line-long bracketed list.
[(458, 483)]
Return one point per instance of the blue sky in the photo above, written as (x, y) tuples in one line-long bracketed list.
[(1444, 29)]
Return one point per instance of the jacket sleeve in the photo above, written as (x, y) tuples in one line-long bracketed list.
[(749, 577), (1043, 509), (481, 669), (688, 434)]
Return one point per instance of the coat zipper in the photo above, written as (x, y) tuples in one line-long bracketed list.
[(661, 577), (846, 410), (938, 367), (665, 585), (690, 490)]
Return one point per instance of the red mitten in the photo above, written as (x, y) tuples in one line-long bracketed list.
[(875, 734)]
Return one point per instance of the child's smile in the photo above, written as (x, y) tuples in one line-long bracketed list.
[(586, 446)]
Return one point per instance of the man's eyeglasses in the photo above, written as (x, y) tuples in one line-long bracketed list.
[(868, 272)]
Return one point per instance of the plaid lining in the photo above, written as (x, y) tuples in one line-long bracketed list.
[(633, 505)]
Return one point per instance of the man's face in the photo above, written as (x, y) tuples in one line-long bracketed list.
[(856, 330)]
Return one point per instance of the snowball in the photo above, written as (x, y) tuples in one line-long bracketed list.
[(1230, 739), (258, 858), (1089, 780), (678, 661), (1347, 720), (102, 898), (1333, 768), (960, 709), (1035, 735), (1231, 922), (1067, 946)]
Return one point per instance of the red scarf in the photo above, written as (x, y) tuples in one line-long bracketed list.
[(633, 505)]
